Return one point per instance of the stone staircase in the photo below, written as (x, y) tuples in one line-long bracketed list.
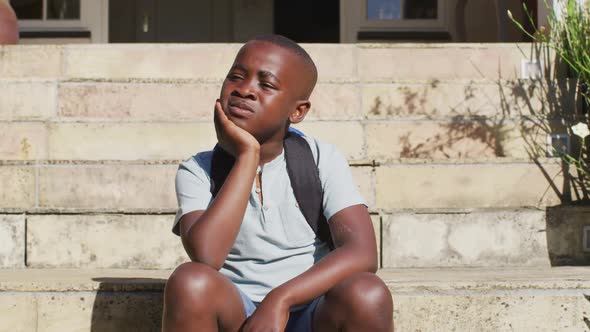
[(460, 299), (472, 231)]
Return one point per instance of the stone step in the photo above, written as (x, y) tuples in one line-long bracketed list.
[(449, 120), (165, 101), (210, 62), (515, 299), (148, 187), (405, 239), (379, 140), (113, 102), (139, 121)]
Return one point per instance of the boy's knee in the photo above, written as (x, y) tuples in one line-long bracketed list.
[(191, 283), (198, 295), (365, 295)]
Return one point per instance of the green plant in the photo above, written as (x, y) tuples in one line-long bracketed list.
[(568, 36)]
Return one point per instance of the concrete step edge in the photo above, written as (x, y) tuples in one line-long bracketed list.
[(427, 280)]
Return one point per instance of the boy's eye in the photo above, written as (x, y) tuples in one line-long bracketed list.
[(267, 85), (234, 76)]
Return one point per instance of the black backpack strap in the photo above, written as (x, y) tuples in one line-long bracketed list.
[(304, 176), (307, 186), (221, 163)]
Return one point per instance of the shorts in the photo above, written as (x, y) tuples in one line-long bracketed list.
[(299, 321)]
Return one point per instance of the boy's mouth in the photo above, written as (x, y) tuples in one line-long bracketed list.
[(239, 109)]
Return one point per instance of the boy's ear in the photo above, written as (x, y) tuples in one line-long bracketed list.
[(300, 111)]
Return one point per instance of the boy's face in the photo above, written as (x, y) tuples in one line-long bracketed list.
[(261, 89)]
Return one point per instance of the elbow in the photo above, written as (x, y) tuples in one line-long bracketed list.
[(374, 262), (201, 256), (370, 260), (198, 254), (373, 266), (212, 263), (364, 259)]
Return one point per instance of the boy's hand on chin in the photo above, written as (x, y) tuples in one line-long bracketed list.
[(271, 315), (232, 138)]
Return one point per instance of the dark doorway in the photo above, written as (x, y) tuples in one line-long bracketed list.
[(307, 21), (169, 21), (529, 18), (207, 21)]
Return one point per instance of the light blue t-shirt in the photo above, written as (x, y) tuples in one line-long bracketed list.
[(275, 243)]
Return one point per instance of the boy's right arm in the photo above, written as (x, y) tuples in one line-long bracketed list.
[(208, 235)]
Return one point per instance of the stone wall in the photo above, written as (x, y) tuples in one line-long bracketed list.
[(439, 139)]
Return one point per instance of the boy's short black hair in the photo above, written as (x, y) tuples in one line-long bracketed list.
[(292, 46)]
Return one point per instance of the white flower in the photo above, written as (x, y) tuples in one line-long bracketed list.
[(509, 14), (581, 130)]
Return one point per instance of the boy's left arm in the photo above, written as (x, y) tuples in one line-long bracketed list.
[(355, 251)]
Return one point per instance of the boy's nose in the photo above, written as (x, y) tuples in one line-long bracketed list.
[(244, 91)]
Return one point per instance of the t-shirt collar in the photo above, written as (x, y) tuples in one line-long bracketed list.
[(275, 162)]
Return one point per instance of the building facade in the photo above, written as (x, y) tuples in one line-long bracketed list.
[(326, 21)]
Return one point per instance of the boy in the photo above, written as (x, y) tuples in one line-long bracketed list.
[(8, 24), (256, 265)]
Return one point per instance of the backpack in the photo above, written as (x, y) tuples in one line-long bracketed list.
[(304, 176)]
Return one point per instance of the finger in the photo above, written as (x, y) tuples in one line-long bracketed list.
[(220, 113), (217, 121), (216, 117), (224, 122)]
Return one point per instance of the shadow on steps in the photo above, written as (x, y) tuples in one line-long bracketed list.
[(566, 225), (128, 304)]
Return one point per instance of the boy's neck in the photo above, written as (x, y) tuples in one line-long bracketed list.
[(270, 150)]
